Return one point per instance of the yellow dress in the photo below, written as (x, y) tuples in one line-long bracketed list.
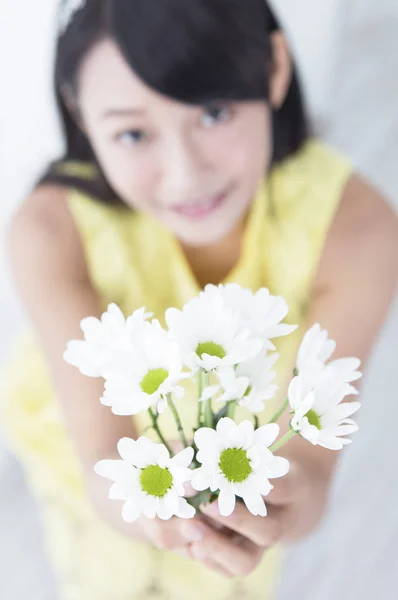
[(133, 261)]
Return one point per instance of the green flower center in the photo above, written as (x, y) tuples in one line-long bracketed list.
[(153, 380), (235, 465), (211, 349), (314, 419), (156, 481)]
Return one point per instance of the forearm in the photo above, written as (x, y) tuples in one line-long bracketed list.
[(110, 511)]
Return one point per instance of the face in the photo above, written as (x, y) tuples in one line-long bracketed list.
[(194, 168)]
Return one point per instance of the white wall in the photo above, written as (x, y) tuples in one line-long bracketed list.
[(315, 28)]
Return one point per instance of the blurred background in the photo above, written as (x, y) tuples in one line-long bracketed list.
[(347, 51)]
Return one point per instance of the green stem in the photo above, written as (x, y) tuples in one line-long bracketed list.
[(178, 421), (199, 380), (256, 422), (208, 410), (231, 409), (280, 412), (157, 429), (284, 440)]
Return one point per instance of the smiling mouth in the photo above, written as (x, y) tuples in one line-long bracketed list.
[(203, 208)]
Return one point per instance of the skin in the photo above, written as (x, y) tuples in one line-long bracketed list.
[(185, 153)]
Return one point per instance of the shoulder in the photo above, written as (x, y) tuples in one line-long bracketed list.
[(358, 270), (309, 185), (363, 239), (43, 234), (315, 162)]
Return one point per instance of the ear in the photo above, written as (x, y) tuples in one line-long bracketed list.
[(282, 69), (71, 104)]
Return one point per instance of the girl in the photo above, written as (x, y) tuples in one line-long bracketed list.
[(188, 161)]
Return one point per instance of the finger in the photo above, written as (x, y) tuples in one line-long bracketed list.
[(217, 568), (175, 533), (202, 557), (291, 488), (186, 553), (262, 531), (235, 555), (189, 491)]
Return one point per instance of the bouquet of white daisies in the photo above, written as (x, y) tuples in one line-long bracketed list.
[(221, 340)]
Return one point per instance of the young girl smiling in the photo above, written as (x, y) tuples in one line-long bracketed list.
[(188, 161)]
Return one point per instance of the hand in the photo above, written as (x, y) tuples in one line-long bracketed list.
[(295, 507), (175, 535)]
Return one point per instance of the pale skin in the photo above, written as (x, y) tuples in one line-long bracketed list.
[(352, 290)]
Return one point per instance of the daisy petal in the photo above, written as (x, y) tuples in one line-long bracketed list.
[(209, 392), (255, 504), (226, 502), (279, 467), (205, 437), (243, 435), (127, 449), (200, 480), (226, 428), (131, 511), (267, 434), (185, 510), (183, 458), (164, 512), (111, 469), (346, 409)]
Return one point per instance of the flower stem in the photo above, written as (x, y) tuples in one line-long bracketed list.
[(280, 412), (208, 409), (231, 409), (178, 421), (199, 380), (157, 429), (284, 440)]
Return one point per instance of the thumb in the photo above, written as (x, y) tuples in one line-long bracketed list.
[(291, 487)]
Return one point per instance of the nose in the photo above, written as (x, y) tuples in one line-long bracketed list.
[(183, 169)]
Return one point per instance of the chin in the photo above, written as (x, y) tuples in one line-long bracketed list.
[(202, 236)]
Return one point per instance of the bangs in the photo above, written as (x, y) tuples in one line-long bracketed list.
[(195, 51)]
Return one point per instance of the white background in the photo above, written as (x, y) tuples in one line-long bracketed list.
[(348, 54)]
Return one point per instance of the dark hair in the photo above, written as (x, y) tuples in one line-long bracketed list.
[(194, 51)]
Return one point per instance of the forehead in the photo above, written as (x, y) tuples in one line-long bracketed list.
[(106, 80)]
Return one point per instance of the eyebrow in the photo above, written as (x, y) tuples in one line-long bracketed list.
[(122, 112)]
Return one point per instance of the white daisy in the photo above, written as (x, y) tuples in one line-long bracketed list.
[(320, 416), (315, 349), (146, 373), (104, 339), (209, 335), (237, 461), (260, 312), (150, 482), (250, 383)]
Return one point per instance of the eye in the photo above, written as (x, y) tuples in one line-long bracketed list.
[(132, 138), (216, 113)]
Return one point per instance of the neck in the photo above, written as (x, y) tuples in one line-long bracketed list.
[(212, 263)]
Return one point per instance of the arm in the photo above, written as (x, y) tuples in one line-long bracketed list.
[(352, 292), (354, 286), (51, 275)]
